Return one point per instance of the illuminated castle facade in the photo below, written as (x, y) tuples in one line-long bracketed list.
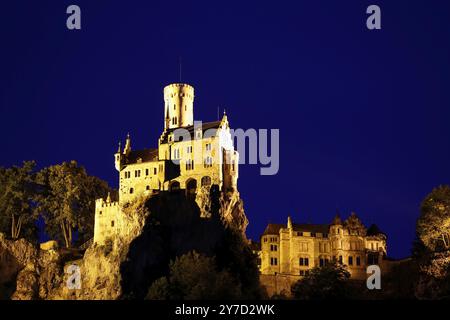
[(289, 251), (190, 156)]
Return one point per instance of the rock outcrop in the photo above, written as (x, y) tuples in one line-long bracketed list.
[(159, 228)]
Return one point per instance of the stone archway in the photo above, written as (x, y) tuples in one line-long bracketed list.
[(174, 186), (191, 187)]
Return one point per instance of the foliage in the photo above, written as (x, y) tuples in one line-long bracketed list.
[(431, 249), (194, 277), (324, 283), (18, 201), (433, 225), (67, 200)]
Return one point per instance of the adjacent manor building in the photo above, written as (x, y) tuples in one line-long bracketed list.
[(289, 251), (190, 155)]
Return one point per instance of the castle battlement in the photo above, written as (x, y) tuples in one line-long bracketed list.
[(101, 203)]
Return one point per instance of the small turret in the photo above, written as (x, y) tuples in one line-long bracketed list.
[(337, 220), (224, 120), (118, 158), (127, 149), (289, 222)]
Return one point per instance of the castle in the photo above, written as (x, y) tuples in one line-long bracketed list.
[(288, 251), (190, 156)]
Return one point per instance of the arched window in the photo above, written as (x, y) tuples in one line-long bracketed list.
[(131, 190), (206, 181), (191, 186), (174, 186)]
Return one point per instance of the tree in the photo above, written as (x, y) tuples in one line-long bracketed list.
[(323, 283), (195, 277), (67, 200), (433, 225), (18, 200), (431, 249)]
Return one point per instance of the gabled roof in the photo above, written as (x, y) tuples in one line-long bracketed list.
[(191, 129), (307, 227), (146, 155), (274, 228)]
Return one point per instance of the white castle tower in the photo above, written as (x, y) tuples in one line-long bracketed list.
[(179, 105)]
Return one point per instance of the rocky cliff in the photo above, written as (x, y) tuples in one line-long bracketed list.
[(159, 228)]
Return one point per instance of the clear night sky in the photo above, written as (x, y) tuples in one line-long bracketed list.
[(363, 115)]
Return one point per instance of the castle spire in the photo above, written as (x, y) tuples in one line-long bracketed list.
[(127, 145), (108, 198), (119, 149), (289, 222)]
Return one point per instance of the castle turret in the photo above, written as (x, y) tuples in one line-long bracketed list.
[(127, 148), (179, 105), (118, 158), (289, 222)]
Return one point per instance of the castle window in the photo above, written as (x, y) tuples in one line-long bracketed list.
[(340, 259), (112, 223), (208, 162), (137, 173), (189, 149), (174, 107), (273, 247), (208, 147), (185, 107), (206, 181), (146, 172), (131, 190), (154, 170), (273, 261), (303, 261), (358, 261), (100, 212), (350, 261), (189, 164), (232, 166), (147, 188)]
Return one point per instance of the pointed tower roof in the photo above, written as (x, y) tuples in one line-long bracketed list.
[(374, 230), (337, 220), (224, 119), (289, 222), (127, 149)]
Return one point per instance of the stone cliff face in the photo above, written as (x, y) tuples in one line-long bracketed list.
[(158, 229)]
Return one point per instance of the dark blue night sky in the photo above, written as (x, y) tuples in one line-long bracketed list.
[(363, 115)]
